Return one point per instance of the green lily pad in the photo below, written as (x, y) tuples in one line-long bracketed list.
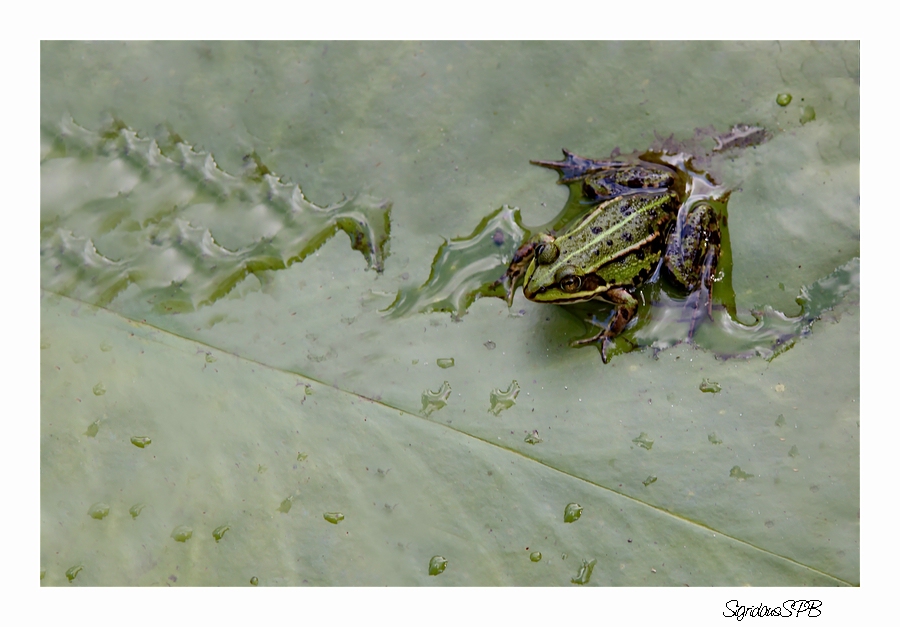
[(148, 270)]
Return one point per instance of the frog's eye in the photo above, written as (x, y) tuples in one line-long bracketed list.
[(546, 253), (568, 280)]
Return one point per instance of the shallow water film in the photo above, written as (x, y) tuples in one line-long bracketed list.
[(252, 374)]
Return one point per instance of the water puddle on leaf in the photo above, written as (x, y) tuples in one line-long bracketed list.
[(182, 533), (98, 511), (584, 573), (504, 399), (333, 517), (572, 512), (123, 208), (437, 565), (433, 401)]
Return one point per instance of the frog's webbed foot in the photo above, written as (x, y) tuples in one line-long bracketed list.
[(574, 167), (701, 299), (626, 307), (516, 270)]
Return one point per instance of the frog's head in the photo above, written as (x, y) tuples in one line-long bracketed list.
[(554, 276)]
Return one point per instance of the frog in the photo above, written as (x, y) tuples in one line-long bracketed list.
[(635, 227)]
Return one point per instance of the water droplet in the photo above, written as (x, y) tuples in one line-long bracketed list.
[(807, 114), (261, 469), (209, 358), (105, 346), (649, 480), (286, 504), (93, 428), (504, 399), (644, 441), (535, 557), (793, 452), (309, 390), (43, 573), (739, 474), (710, 386), (182, 533), (99, 390), (437, 565), (779, 387), (533, 438), (490, 345), (135, 510), (713, 438), (73, 572), (254, 581), (301, 457), (333, 517), (45, 345), (783, 100), (770, 524), (779, 422), (584, 573), (219, 531), (99, 511), (573, 512), (141, 441), (433, 401), (445, 362)]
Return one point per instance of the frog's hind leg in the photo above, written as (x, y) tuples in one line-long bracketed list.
[(626, 307), (691, 257)]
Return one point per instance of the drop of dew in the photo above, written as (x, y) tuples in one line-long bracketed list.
[(445, 362), (649, 480), (779, 422), (73, 572), (105, 346), (219, 532), (437, 565), (490, 345), (333, 517), (584, 573), (573, 512), (43, 572), (209, 358), (504, 399), (794, 451), (433, 401), (301, 457), (783, 100), (98, 511), (286, 504), (93, 429), (141, 441), (533, 438), (644, 441), (254, 581), (182, 533), (99, 390), (713, 438), (535, 557), (710, 386), (136, 509), (739, 474), (807, 114)]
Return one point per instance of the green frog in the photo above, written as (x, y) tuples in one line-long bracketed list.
[(635, 225)]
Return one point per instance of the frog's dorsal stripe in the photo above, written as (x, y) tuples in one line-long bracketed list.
[(654, 204)]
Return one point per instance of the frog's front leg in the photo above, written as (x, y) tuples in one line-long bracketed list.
[(692, 253), (626, 307)]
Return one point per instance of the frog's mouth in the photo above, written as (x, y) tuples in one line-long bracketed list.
[(556, 296)]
